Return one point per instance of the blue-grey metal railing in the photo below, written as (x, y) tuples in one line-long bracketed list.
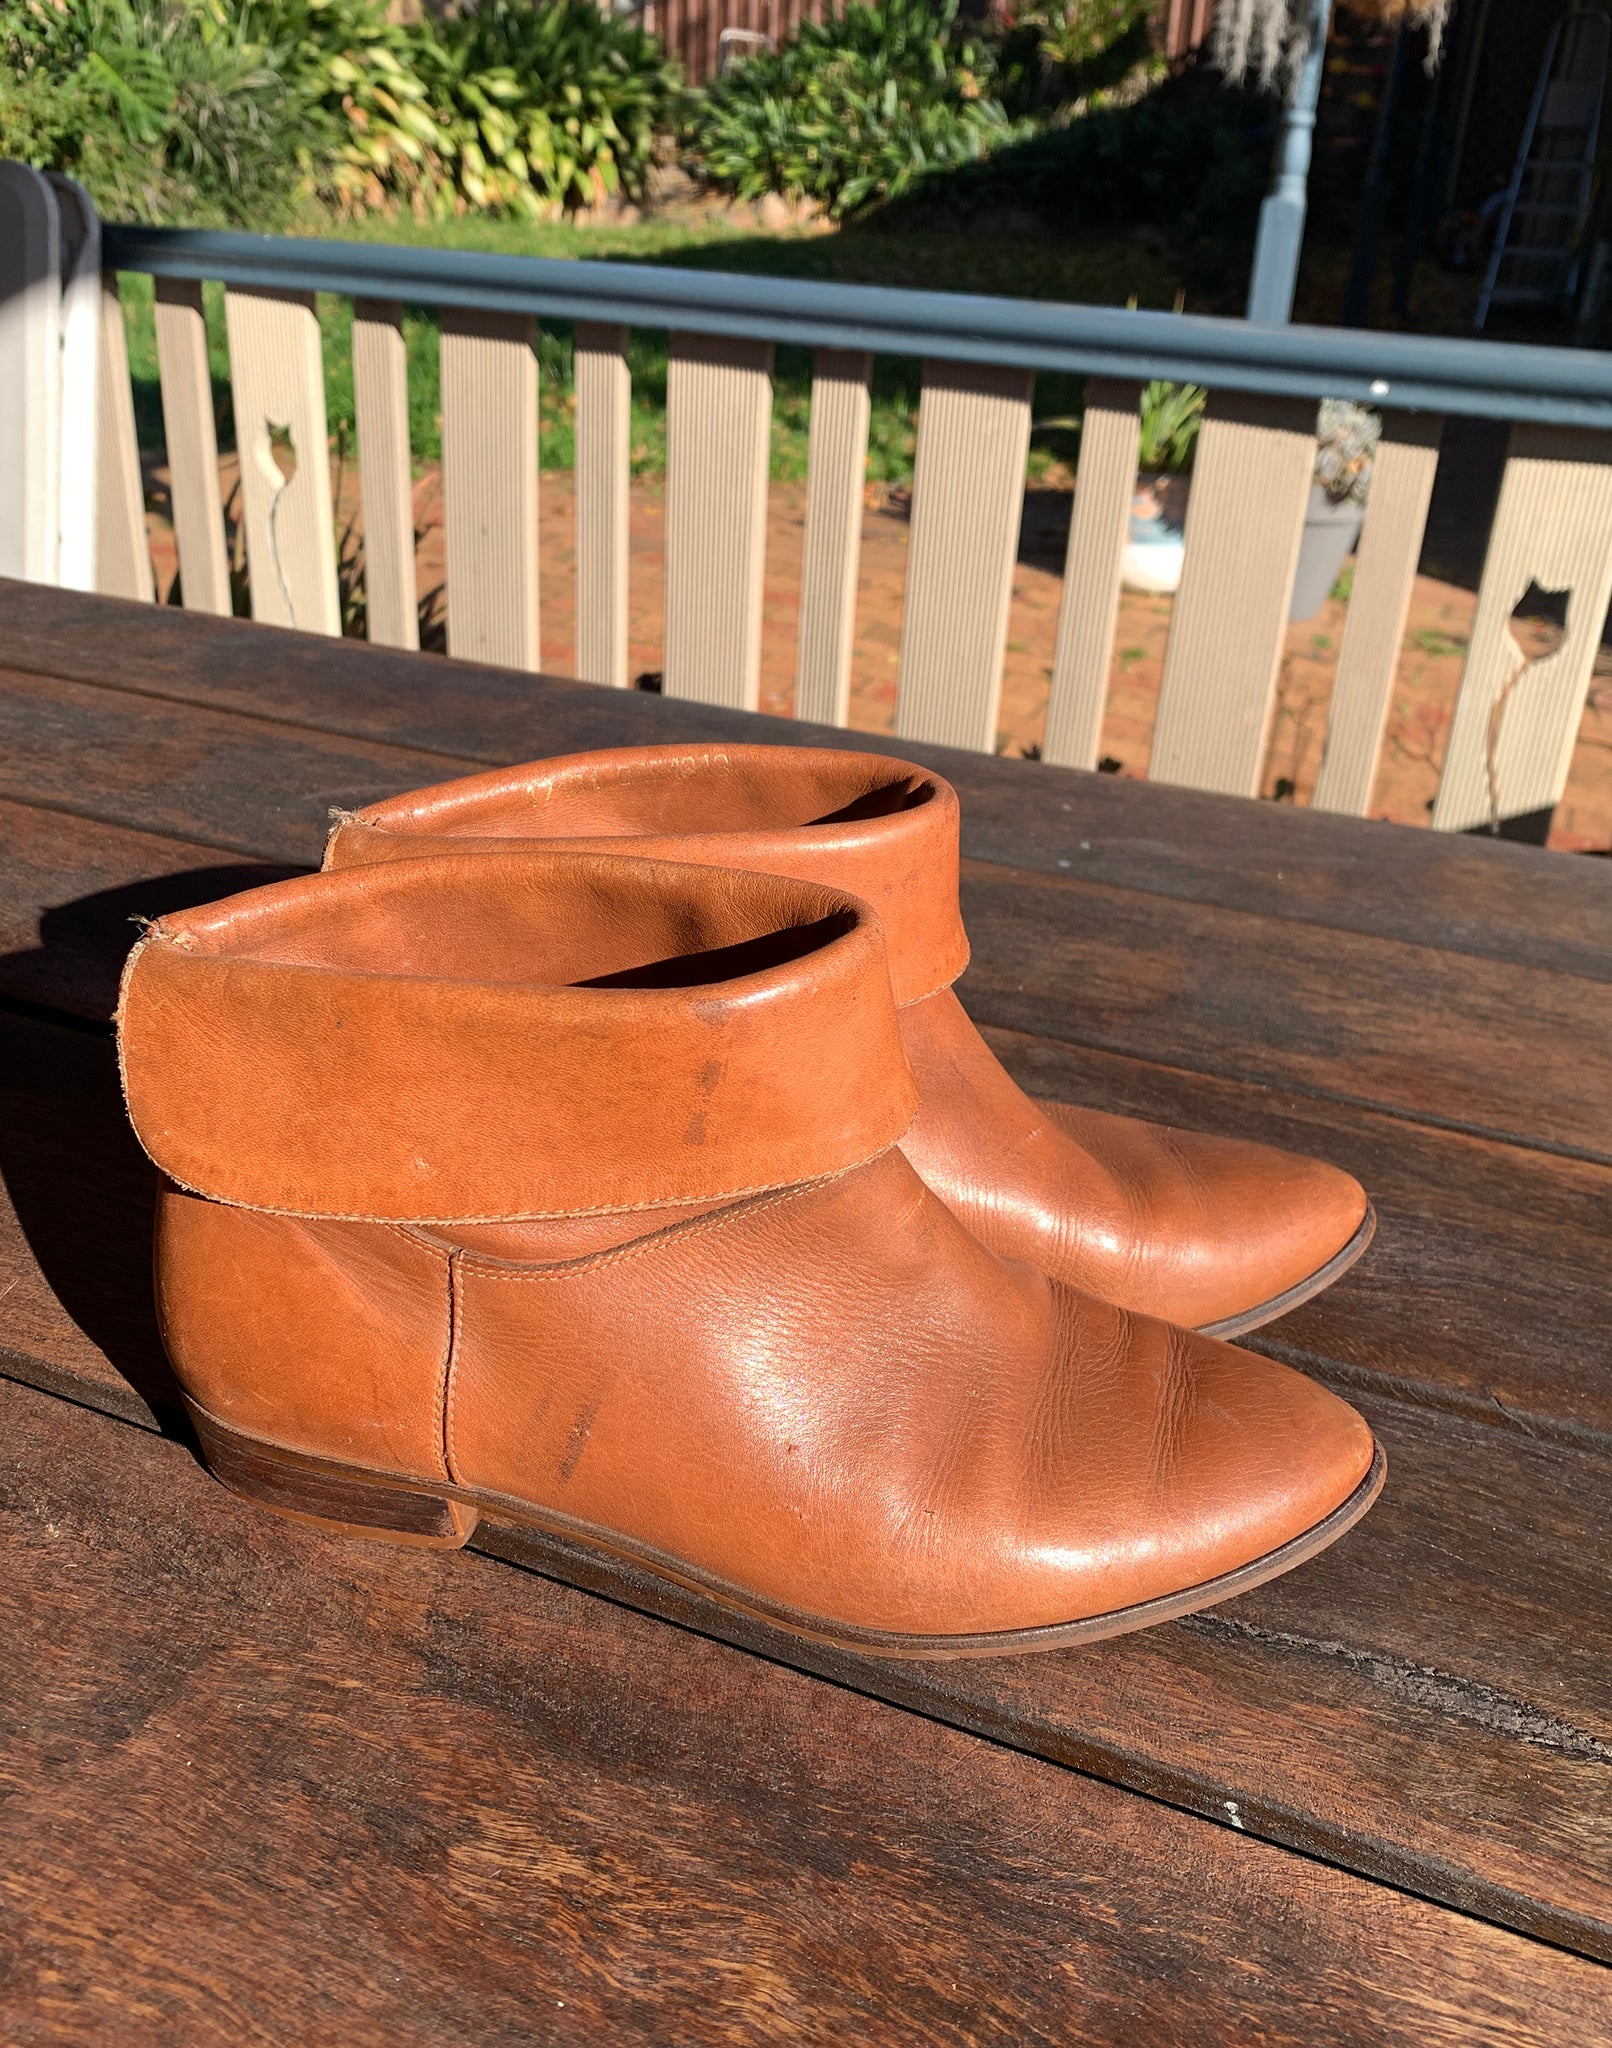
[(1429, 373)]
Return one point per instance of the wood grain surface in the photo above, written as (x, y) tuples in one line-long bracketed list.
[(1465, 894), (1424, 1710), (261, 1787)]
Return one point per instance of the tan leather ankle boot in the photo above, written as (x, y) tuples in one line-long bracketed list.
[(1215, 1233), (566, 1190)]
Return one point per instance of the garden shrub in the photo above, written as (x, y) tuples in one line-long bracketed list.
[(1190, 159), (555, 105), (217, 110), (163, 110), (854, 109)]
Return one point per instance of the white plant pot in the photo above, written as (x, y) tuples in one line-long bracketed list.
[(1151, 561)]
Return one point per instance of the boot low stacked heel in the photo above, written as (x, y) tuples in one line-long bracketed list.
[(328, 1496), (568, 1191), (1216, 1233)]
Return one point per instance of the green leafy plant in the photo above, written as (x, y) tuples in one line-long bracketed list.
[(854, 109), (1171, 417), (544, 108), (1075, 52), (162, 107), (373, 135)]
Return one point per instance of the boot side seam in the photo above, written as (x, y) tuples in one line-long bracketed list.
[(567, 1269), (445, 1381)]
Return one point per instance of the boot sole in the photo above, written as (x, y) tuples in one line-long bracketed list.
[(1304, 1290), (346, 1501)]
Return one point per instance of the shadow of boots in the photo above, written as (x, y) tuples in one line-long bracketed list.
[(75, 1240)]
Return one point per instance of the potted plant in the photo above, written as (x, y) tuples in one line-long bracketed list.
[(1171, 416), (1346, 438)]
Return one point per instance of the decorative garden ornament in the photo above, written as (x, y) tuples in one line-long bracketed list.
[(1271, 38)]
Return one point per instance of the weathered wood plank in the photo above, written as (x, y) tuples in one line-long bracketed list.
[(603, 485), (228, 783), (76, 1323), (837, 463), (1483, 1291), (357, 1754), (1104, 490), (1245, 519), (1516, 720), (489, 486), (1481, 1045), (1472, 1771), (277, 379), (71, 889), (385, 473), (1440, 1038), (191, 439), (1385, 575), (718, 428), (122, 551), (967, 502), (1468, 895)]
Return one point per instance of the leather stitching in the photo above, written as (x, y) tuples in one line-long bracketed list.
[(566, 1269), (445, 1383), (524, 1215)]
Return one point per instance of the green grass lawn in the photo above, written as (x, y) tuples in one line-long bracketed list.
[(1018, 266)]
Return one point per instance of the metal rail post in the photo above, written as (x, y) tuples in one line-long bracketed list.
[(1281, 217)]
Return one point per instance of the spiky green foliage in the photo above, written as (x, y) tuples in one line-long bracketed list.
[(854, 109), (1171, 417), (163, 109), (207, 110), (546, 107)]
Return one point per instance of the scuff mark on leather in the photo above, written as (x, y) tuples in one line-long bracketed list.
[(577, 1442), (1423, 1685)]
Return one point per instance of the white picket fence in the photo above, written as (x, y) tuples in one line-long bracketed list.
[(1510, 747)]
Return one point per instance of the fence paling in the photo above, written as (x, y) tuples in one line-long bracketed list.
[(603, 482), (1374, 629), (381, 408), (277, 378), (967, 500), (30, 374), (1099, 521), (489, 486), (122, 551), (718, 421), (1516, 720), (1245, 521), (1515, 724), (192, 443), (837, 469)]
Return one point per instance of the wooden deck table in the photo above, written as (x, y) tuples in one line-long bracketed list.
[(257, 1786)]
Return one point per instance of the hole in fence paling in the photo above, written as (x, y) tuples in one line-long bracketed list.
[(1539, 622), (282, 450)]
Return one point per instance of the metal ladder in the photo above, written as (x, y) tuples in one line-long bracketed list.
[(1535, 260)]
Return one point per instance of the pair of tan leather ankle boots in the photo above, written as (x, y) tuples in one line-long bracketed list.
[(599, 1145)]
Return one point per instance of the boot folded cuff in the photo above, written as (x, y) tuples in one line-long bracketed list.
[(496, 1037), (881, 829)]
